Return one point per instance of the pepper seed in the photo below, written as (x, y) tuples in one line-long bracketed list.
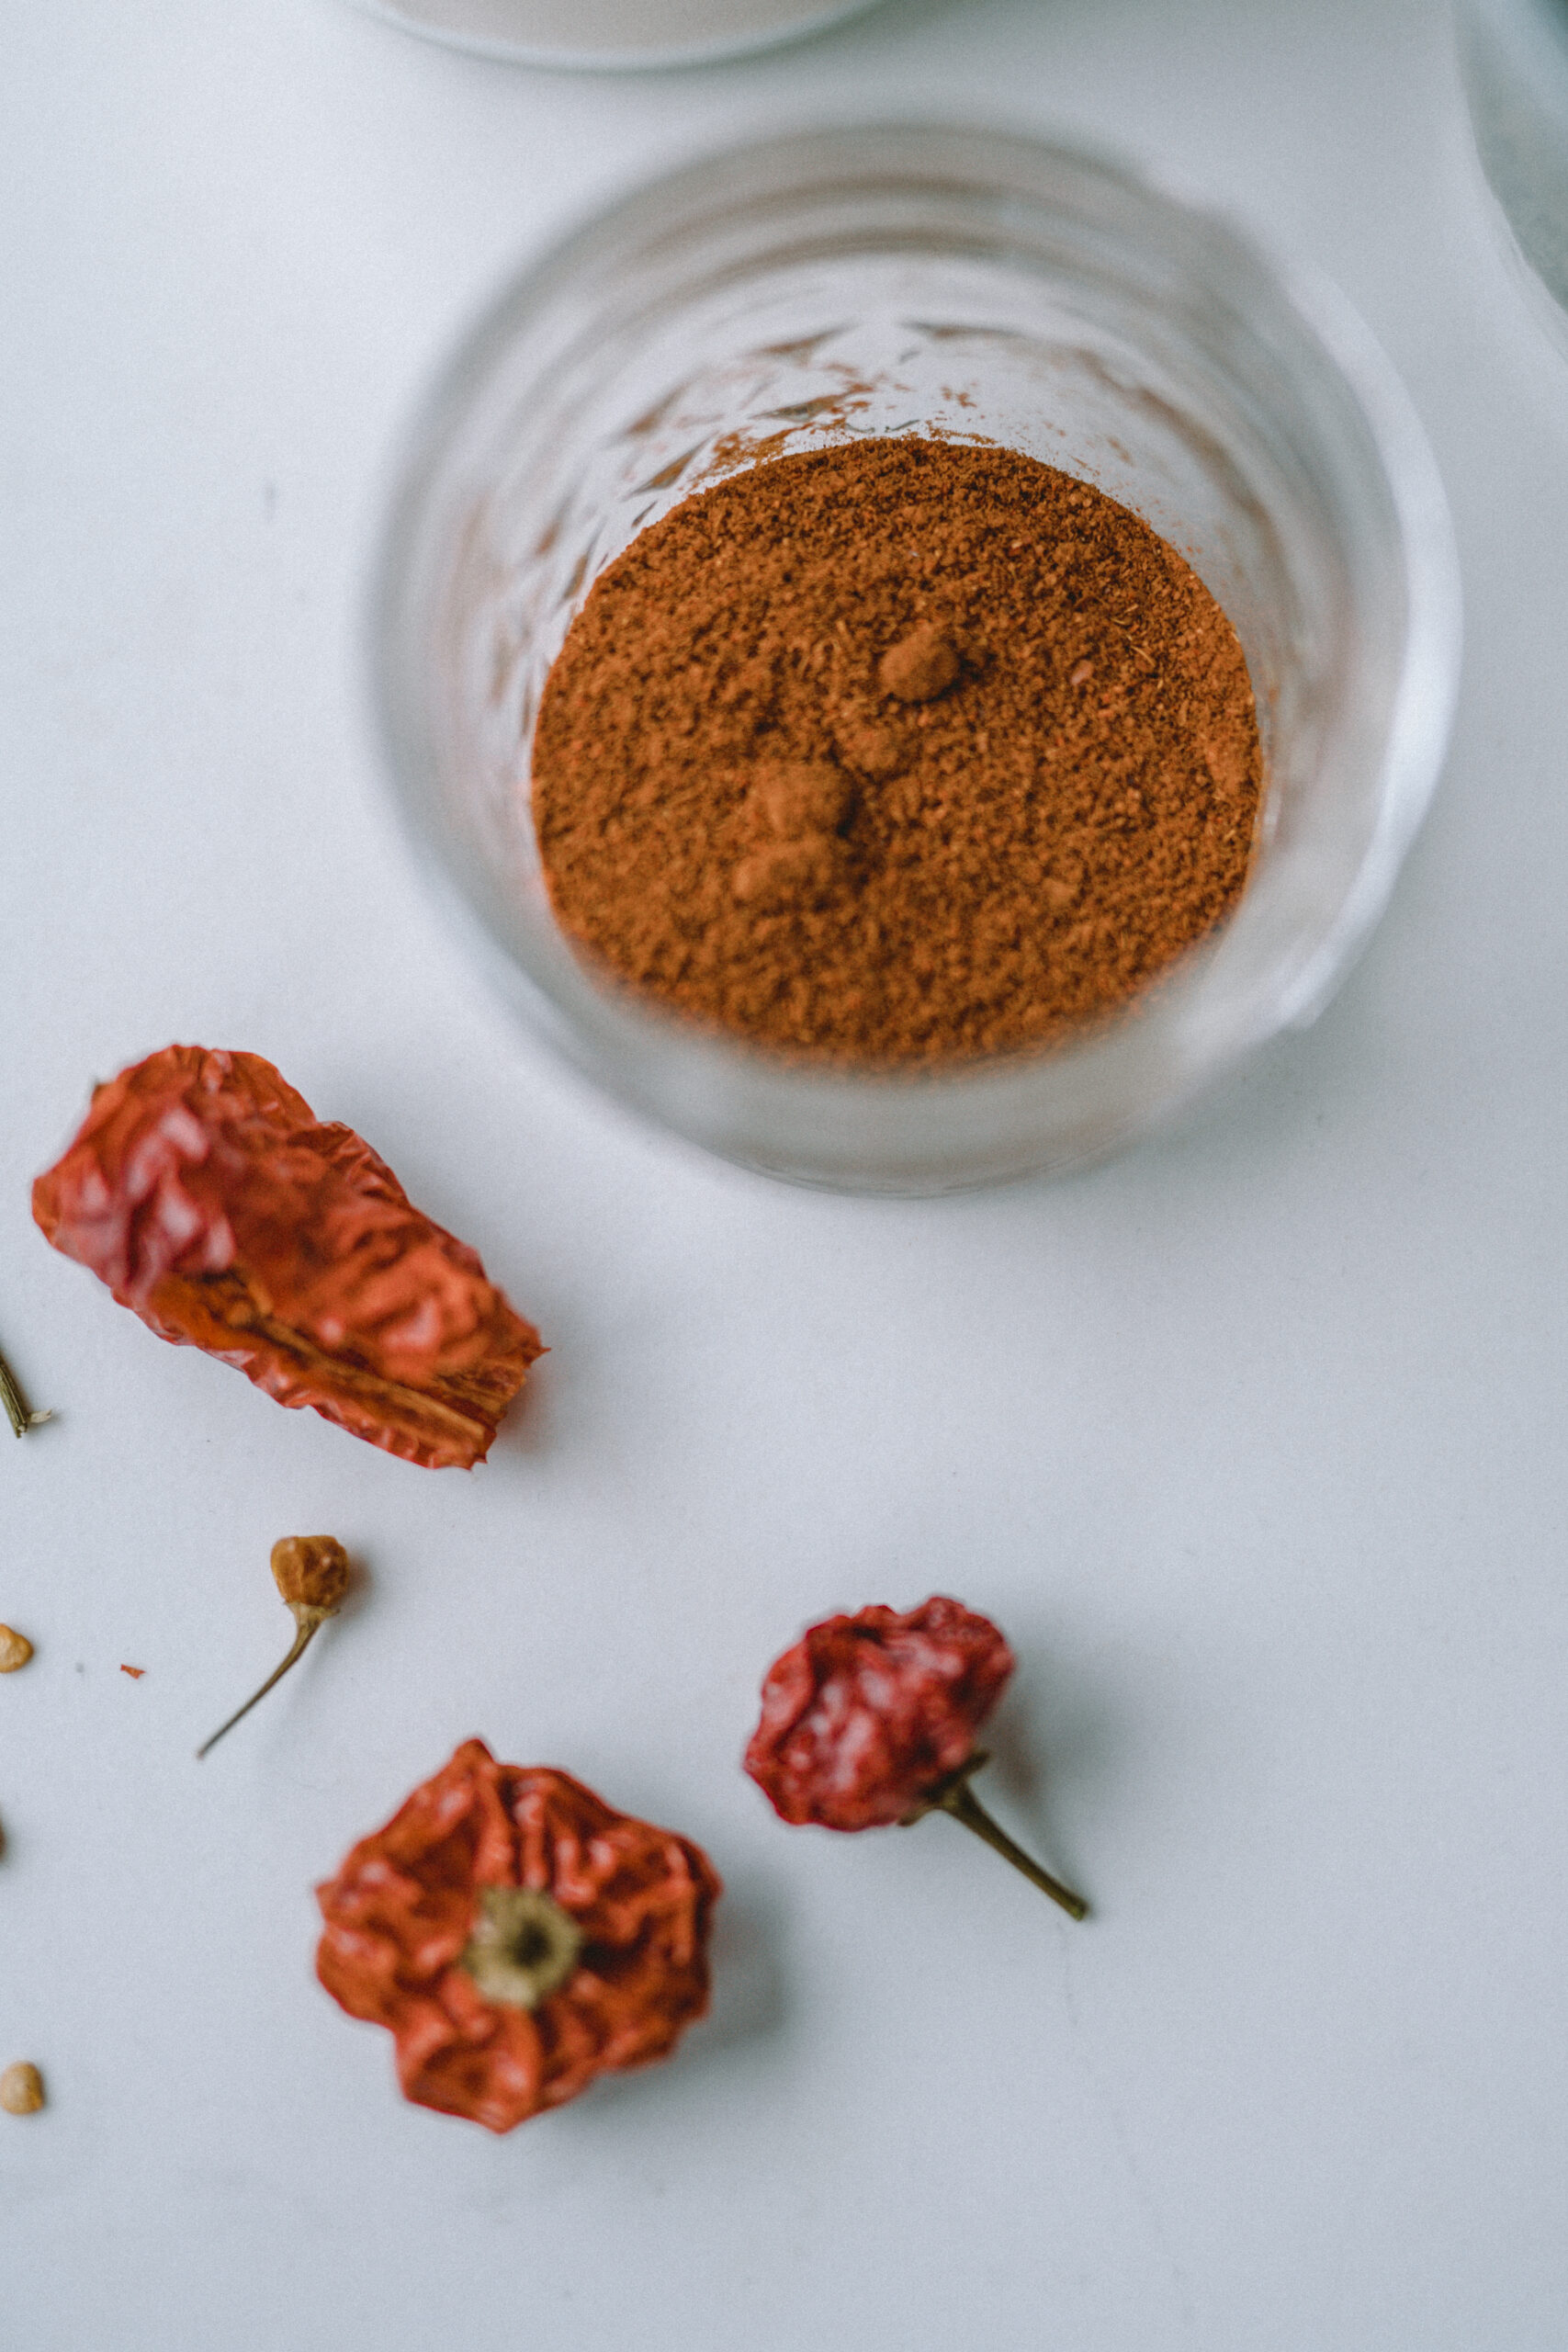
[(21, 2088)]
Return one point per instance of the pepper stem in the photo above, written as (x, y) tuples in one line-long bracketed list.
[(17, 1412), (309, 1621), (958, 1799)]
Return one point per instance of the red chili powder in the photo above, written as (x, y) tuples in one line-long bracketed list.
[(894, 752)]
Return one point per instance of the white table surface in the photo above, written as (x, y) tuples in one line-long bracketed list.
[(1252, 1438)]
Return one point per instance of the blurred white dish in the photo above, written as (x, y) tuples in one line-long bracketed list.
[(604, 35)]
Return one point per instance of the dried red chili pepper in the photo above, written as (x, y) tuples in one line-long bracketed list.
[(204, 1193), (518, 1937), (871, 1720)]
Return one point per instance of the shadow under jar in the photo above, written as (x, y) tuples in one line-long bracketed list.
[(956, 284)]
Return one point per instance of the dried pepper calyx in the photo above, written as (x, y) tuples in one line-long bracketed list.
[(870, 1720), (313, 1574), (204, 1191), (518, 1937), (524, 1946)]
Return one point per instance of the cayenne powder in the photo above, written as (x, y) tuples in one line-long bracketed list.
[(896, 750)]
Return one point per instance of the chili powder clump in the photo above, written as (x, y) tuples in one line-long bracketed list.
[(896, 752)]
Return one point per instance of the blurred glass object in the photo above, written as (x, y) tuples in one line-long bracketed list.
[(613, 34), (894, 279), (1513, 58)]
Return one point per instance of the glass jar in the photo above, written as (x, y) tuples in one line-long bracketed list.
[(612, 35), (1513, 58), (922, 280)]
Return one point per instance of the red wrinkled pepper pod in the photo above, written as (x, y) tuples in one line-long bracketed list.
[(204, 1191), (871, 1720), (518, 1937)]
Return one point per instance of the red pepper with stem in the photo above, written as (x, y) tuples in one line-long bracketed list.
[(518, 1937), (871, 1720)]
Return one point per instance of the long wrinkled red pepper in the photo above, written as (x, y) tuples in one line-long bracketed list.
[(518, 1937), (204, 1191), (868, 1714)]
